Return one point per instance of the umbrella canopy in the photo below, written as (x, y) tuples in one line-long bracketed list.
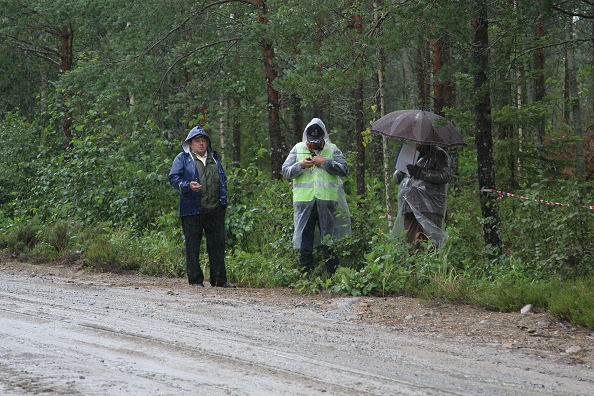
[(420, 127)]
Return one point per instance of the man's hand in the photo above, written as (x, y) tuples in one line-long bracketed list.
[(307, 163), (318, 160), (194, 186), (414, 170)]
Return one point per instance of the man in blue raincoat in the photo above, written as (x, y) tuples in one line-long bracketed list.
[(200, 179)]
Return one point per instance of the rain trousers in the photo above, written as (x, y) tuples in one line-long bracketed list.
[(327, 192), (425, 196)]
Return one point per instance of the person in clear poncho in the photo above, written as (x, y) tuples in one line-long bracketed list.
[(315, 165), (422, 197)]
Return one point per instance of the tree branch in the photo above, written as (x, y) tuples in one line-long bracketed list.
[(192, 15), (546, 46), (184, 56), (40, 54), (44, 52), (571, 13)]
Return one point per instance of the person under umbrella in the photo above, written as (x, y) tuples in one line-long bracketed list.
[(422, 196)]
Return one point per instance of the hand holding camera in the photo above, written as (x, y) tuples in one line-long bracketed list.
[(195, 186)]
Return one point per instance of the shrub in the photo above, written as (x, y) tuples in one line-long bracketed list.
[(163, 253), (574, 301), (261, 270), (59, 234), (22, 238)]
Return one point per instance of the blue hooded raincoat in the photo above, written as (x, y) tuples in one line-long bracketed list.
[(184, 170)]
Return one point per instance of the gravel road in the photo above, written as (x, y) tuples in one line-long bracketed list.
[(66, 331)]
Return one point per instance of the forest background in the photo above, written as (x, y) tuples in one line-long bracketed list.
[(96, 98)]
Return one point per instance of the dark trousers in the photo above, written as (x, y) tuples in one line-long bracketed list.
[(306, 257), (213, 225)]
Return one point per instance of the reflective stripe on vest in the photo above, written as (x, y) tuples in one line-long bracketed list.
[(315, 182)]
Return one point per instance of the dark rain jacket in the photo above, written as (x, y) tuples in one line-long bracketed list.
[(183, 171)]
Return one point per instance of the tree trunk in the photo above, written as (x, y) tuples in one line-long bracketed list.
[(576, 115), (237, 136), (274, 130), (412, 96), (222, 125), (190, 100), (424, 76), (519, 95), (539, 68), (484, 142), (566, 94), (66, 57), (507, 132), (359, 126), (297, 119), (387, 168), (444, 89), (359, 122), (443, 86), (319, 102)]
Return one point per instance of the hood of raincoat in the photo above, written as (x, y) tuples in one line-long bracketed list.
[(321, 124), (196, 131)]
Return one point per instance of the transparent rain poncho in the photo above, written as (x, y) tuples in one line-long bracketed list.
[(425, 196), (334, 216)]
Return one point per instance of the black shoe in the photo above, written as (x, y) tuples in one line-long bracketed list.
[(199, 284), (227, 285)]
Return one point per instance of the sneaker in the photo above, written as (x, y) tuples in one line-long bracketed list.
[(200, 284)]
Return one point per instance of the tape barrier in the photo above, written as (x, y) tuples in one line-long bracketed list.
[(503, 194)]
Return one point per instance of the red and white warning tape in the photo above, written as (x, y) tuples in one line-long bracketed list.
[(502, 194)]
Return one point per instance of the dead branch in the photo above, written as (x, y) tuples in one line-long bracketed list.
[(187, 54)]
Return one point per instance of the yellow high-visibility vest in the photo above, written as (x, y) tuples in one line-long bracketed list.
[(315, 182)]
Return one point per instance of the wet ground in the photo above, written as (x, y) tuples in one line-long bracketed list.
[(68, 331)]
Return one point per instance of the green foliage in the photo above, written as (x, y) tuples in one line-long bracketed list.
[(510, 296), (21, 238), (259, 270), (260, 213), (103, 196), (574, 301), (367, 221), (115, 250), (59, 234), (161, 248)]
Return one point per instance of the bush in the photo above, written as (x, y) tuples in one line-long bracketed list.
[(574, 301), (111, 250), (162, 252), (261, 270), (22, 238)]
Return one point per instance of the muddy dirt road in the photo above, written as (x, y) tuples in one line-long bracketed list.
[(66, 331)]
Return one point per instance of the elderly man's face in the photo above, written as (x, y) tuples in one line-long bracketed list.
[(199, 145)]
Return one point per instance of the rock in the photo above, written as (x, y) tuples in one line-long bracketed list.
[(573, 349), (526, 309), (333, 315), (485, 322), (429, 314), (348, 302), (408, 317), (300, 304), (543, 324)]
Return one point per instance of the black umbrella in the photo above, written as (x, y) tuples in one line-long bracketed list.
[(420, 127)]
